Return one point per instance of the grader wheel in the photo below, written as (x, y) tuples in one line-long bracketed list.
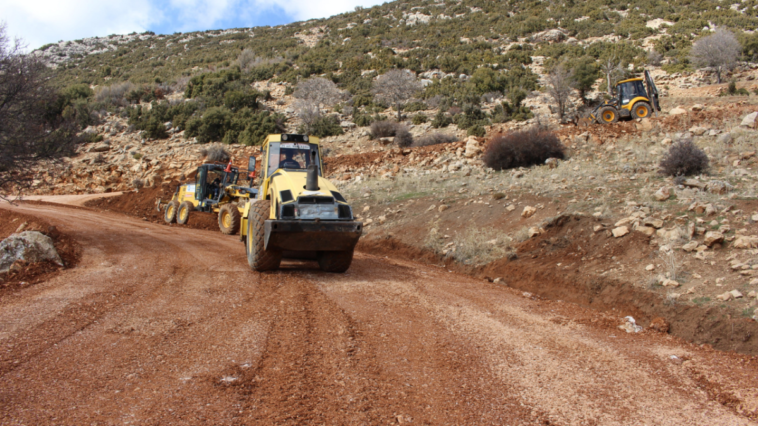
[(182, 215), (229, 219), (170, 214)]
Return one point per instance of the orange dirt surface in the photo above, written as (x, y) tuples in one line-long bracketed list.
[(161, 325)]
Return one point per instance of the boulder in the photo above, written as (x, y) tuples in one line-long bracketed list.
[(662, 194), (551, 162), (549, 36), (29, 246), (745, 242), (697, 107), (677, 111), (713, 237), (644, 126), (528, 212), (725, 138), (655, 223), (535, 231), (103, 147), (671, 234), (749, 120), (472, 147), (698, 131), (620, 231), (690, 247), (718, 187)]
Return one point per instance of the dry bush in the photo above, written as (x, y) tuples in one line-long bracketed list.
[(383, 129), (434, 139), (320, 91), (719, 50), (396, 87), (522, 149), (114, 94), (215, 153), (403, 137), (684, 159), (138, 183)]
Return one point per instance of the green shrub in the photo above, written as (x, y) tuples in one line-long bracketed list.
[(472, 117), (211, 126), (237, 99), (415, 106), (155, 129), (441, 120), (476, 130), (324, 126), (420, 118)]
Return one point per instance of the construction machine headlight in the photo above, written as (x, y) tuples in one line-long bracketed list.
[(317, 211)]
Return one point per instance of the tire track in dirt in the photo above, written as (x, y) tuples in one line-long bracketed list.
[(162, 325)]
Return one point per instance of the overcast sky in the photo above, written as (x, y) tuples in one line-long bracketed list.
[(39, 22)]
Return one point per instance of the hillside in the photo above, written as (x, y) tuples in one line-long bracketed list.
[(454, 37)]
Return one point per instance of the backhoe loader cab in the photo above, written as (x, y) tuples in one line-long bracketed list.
[(298, 213), (634, 98)]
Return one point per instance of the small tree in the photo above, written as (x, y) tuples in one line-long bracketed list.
[(311, 95), (718, 50), (559, 88), (584, 75), (308, 112), (32, 123), (396, 87)]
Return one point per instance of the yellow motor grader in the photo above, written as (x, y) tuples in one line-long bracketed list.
[(297, 212), (216, 189)]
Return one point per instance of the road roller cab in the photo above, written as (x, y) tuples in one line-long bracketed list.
[(298, 212)]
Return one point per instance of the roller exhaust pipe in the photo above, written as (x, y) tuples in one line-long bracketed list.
[(311, 177)]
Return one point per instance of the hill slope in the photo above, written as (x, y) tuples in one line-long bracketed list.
[(421, 35)]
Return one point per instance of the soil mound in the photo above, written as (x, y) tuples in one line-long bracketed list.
[(23, 275)]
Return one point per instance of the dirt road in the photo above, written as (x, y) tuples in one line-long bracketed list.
[(164, 325)]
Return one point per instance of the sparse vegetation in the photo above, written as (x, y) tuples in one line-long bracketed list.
[(434, 139)]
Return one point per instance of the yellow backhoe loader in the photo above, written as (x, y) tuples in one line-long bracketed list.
[(635, 98)]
